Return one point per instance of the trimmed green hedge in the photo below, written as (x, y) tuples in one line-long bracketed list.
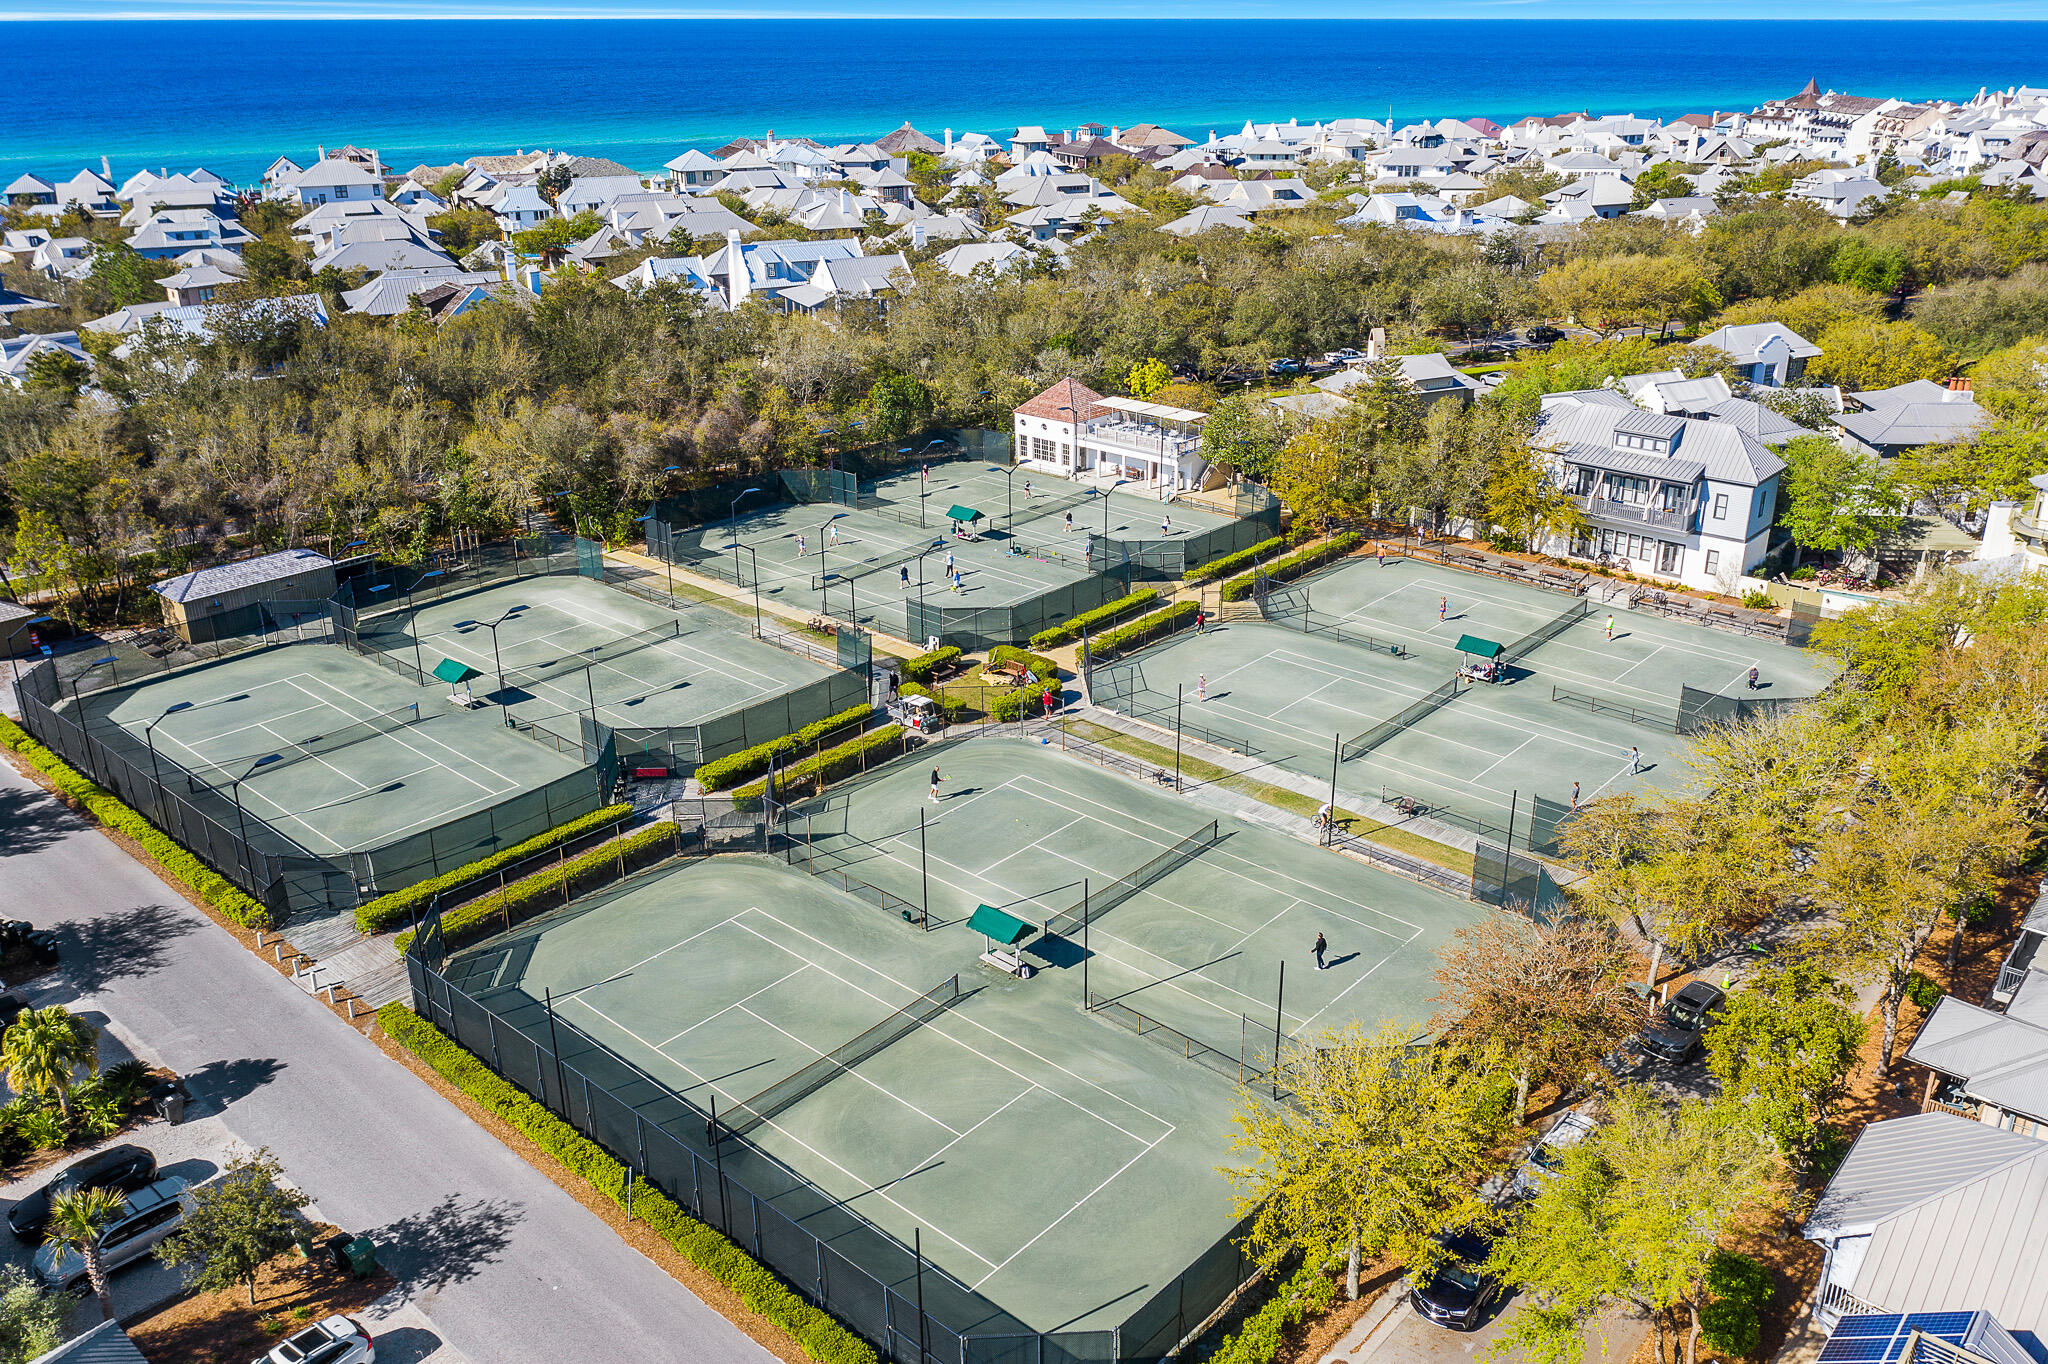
[(1294, 565), (828, 766), (1089, 621), (104, 806), (1159, 622), (1042, 668), (815, 1332), (925, 667), (748, 763), (1230, 563), (399, 906), (583, 872), (1309, 1293)]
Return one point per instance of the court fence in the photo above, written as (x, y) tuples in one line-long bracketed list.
[(1121, 687), (127, 659), (856, 1271), (1167, 558), (1698, 709), (975, 628)]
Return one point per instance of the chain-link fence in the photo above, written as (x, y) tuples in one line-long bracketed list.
[(124, 660), (975, 628), (1167, 558)]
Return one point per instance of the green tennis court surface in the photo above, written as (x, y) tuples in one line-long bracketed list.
[(568, 642), (1059, 1167), (1568, 711), (374, 772)]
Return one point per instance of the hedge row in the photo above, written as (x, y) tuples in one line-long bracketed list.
[(1089, 621), (1293, 565), (748, 763), (1159, 622), (828, 766), (562, 881), (1042, 668), (104, 806), (400, 905), (1309, 1293), (814, 1332), (925, 667), (1230, 563)]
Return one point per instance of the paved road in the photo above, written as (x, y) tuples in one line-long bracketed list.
[(503, 1265)]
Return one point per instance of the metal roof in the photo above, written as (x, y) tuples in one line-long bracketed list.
[(1156, 411), (105, 1343), (1635, 462), (1654, 424), (210, 582), (1904, 1163)]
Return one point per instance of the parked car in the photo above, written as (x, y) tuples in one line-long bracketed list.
[(337, 1340), (22, 943), (1544, 336), (1284, 367), (1543, 1162), (1674, 1036), (1460, 1292), (149, 1215), (117, 1167), (1338, 357), (12, 1006)]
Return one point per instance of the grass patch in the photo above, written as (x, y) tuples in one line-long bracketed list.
[(1279, 797)]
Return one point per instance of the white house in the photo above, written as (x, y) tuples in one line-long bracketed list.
[(18, 352), (1768, 353), (1678, 498), (1892, 421), (693, 170), (174, 231), (1070, 430), (521, 207), (329, 180)]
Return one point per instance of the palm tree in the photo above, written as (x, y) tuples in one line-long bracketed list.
[(43, 1049), (76, 1221)]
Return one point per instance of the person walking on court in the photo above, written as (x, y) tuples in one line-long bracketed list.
[(1166, 525), (904, 573), (956, 580), (949, 561), (832, 533), (1752, 677), (927, 472), (935, 786), (1443, 609), (1610, 629), (1070, 523), (1322, 946), (1201, 622), (1379, 551), (1635, 760), (800, 547), (1575, 795), (1027, 487)]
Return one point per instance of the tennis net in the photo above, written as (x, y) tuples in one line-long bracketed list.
[(591, 657), (299, 750), (1388, 728), (744, 1117), (1094, 905), (866, 567), (1620, 710), (1542, 635)]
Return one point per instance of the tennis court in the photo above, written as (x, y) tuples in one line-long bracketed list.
[(1568, 712), (1059, 1167), (568, 645), (325, 747)]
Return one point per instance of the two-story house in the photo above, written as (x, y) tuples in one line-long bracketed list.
[(1678, 498), (172, 232), (1070, 430), (1767, 353), (331, 179)]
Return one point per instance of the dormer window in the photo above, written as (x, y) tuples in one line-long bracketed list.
[(1655, 445)]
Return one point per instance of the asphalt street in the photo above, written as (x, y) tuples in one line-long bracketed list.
[(498, 1262)]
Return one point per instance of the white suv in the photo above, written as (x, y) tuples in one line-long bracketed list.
[(149, 1215), (337, 1340)]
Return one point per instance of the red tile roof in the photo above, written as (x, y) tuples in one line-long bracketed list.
[(1069, 393)]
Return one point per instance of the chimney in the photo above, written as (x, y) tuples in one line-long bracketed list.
[(106, 168), (1116, 134), (1999, 542), (1376, 344), (917, 236), (949, 142), (740, 281)]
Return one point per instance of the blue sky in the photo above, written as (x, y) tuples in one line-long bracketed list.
[(1032, 9)]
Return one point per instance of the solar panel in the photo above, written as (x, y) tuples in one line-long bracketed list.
[(1950, 1326), (1877, 1338), (1858, 1349), (1868, 1326)]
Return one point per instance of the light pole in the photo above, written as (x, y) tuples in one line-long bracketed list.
[(242, 819), (921, 619), (1009, 502), (1075, 414), (924, 492), (824, 567), (79, 677), (667, 562), (504, 708), (732, 521), (736, 547), (149, 738)]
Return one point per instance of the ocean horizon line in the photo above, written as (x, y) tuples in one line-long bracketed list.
[(793, 16)]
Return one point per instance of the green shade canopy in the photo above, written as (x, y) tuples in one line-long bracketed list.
[(1473, 644), (453, 673), (992, 923), (959, 513)]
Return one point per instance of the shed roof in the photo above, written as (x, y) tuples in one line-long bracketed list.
[(211, 582)]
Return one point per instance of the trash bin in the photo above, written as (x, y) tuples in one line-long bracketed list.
[(336, 1249), (168, 1099), (361, 1257)]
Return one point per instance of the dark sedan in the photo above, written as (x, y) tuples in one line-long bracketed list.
[(1460, 1292), (118, 1167), (1675, 1036)]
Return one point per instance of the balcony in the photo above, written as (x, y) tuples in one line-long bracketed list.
[(2030, 529), (1835, 1302), (1141, 437), (1636, 513)]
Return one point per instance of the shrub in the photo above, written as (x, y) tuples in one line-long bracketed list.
[(1011, 706), (1921, 989), (852, 756), (1738, 1278), (1090, 621), (748, 763), (814, 1332), (1231, 563), (1145, 627), (1756, 599), (400, 905), (1730, 1329), (183, 865), (1259, 1340), (562, 881), (1042, 668), (1293, 565), (925, 667)]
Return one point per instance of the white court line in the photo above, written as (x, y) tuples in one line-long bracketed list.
[(1069, 1212), (819, 1053), (403, 739), (1332, 1003), (740, 1004), (1504, 757)]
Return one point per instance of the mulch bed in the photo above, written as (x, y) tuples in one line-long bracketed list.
[(224, 1328)]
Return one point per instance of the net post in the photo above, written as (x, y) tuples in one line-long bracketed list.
[(1279, 998)]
